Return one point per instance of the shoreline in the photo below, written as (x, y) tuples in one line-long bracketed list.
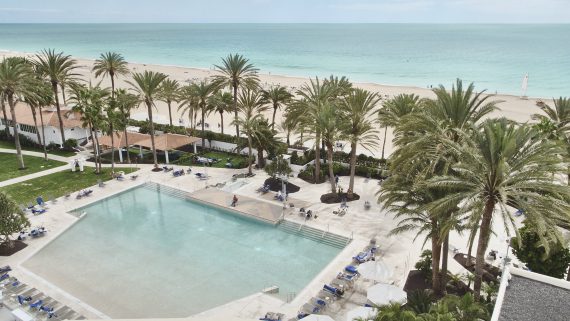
[(262, 73), (510, 106)]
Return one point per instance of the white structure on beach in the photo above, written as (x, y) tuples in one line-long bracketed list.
[(71, 122)]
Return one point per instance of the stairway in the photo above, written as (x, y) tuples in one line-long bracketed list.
[(315, 234)]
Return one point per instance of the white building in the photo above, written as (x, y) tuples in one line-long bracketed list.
[(71, 123)]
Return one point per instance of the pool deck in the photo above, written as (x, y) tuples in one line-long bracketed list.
[(248, 206)]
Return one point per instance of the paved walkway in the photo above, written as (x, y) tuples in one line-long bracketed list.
[(37, 154)]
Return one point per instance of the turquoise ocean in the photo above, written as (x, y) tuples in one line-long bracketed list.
[(495, 57)]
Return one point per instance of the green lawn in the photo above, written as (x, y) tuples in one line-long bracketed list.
[(237, 161), (9, 168), (57, 184), (11, 145)]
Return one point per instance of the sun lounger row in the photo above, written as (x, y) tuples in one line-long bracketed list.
[(34, 302), (337, 287)]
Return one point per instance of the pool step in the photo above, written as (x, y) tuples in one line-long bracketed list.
[(167, 190), (312, 233)]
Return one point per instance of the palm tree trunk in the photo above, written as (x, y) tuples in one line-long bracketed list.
[(98, 155), (112, 149), (169, 111), (384, 142), (33, 109), (435, 258), (63, 93), (444, 258), (273, 119), (331, 167), (484, 232), (54, 87), (260, 159), (222, 121), (16, 136), (249, 153), (43, 135), (203, 136), (317, 156), (155, 159), (352, 169), (127, 143), (236, 109), (6, 128), (112, 75), (288, 138)]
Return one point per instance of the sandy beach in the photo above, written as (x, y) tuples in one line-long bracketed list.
[(512, 107)]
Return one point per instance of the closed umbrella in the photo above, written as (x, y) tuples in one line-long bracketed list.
[(317, 317), (384, 294), (365, 313), (376, 270)]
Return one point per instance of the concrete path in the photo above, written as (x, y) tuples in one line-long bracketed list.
[(37, 154)]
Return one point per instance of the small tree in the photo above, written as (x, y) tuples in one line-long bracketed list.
[(424, 264), (530, 250), (279, 167), (12, 219)]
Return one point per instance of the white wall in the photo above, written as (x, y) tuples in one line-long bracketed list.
[(53, 134)]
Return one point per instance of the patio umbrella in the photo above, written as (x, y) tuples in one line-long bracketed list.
[(317, 317), (376, 270), (360, 312), (383, 294)]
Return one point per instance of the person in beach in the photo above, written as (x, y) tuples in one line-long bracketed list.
[(234, 201)]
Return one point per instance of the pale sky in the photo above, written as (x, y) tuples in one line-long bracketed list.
[(432, 11)]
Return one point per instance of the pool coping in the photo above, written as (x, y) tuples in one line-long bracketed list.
[(138, 184)]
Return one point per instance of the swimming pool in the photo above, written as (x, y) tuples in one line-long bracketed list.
[(145, 253)]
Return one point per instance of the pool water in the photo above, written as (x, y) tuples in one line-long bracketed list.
[(144, 253)]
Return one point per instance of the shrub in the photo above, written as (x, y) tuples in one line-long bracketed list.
[(424, 264), (70, 144), (294, 157), (530, 250)]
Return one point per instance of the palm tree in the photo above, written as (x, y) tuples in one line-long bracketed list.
[(44, 98), (5, 116), (313, 96), (189, 104), (89, 102), (465, 308), (277, 96), (357, 108), (112, 120), (251, 105), (202, 92), (264, 140), (330, 125), (222, 102), (236, 73), (147, 86), (559, 116), (394, 109), (169, 93), (288, 125), (506, 165), (56, 67), (394, 312), (111, 64), (36, 100), (125, 103), (16, 80)]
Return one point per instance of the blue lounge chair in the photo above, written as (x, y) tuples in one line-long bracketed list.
[(4, 276), (350, 277), (334, 291), (46, 309), (40, 211), (5, 269), (40, 201), (365, 256), (351, 269), (36, 304), (37, 232), (24, 299), (301, 315)]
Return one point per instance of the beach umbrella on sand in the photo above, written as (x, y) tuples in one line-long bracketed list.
[(365, 313), (383, 294), (317, 317), (376, 270)]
